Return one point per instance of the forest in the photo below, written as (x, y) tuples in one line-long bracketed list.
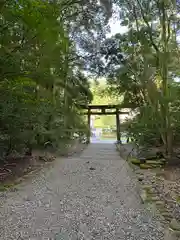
[(49, 51), (142, 66), (42, 46)]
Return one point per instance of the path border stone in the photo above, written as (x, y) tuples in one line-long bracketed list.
[(170, 234)]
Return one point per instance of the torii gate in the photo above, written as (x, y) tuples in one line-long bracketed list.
[(103, 110)]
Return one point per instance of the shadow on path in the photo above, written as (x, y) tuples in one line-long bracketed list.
[(93, 196)]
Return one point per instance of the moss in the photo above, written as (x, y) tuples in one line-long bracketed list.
[(178, 199), (175, 225), (160, 204), (153, 162), (147, 188), (6, 186), (153, 198), (2, 188), (145, 166), (152, 157), (134, 161)]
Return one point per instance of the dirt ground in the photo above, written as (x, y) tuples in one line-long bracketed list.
[(18, 166)]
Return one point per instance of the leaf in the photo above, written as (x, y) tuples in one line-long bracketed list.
[(125, 22)]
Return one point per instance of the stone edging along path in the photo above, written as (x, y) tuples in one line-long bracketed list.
[(150, 197)]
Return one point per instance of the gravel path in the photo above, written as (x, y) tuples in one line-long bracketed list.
[(93, 196)]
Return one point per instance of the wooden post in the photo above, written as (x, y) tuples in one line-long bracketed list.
[(118, 126), (89, 125)]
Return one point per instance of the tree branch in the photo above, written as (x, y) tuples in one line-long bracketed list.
[(149, 27)]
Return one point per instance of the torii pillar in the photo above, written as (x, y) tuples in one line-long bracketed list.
[(118, 126)]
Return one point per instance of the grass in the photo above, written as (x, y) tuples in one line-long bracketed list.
[(6, 186), (112, 137)]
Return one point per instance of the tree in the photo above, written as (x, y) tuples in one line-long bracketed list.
[(42, 82), (140, 63), (101, 96)]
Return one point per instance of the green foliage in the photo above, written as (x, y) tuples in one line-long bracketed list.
[(101, 96), (142, 66), (41, 75)]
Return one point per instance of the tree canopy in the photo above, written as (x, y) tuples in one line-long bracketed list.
[(101, 96), (142, 66), (42, 58), (47, 47)]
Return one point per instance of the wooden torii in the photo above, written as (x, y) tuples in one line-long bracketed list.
[(104, 110)]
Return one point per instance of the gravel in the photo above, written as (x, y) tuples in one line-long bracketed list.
[(93, 196)]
